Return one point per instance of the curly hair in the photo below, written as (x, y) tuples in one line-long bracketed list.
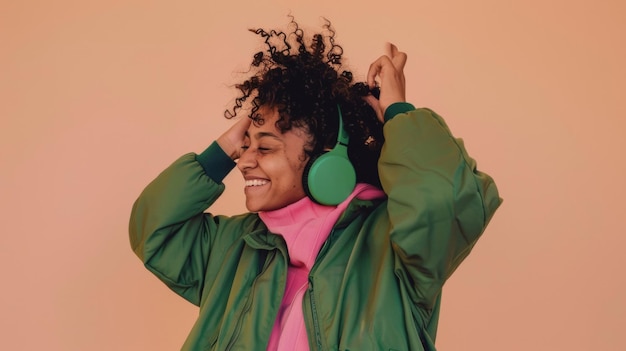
[(301, 79)]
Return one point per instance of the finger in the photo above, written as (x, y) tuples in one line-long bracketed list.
[(375, 104), (372, 101), (392, 49), (239, 129), (397, 57), (399, 60), (244, 123), (375, 68)]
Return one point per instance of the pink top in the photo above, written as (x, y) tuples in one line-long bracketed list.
[(304, 225)]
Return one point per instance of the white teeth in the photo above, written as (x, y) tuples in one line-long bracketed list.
[(256, 182)]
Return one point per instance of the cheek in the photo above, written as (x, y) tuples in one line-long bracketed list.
[(292, 177), (288, 176), (285, 170), (298, 172)]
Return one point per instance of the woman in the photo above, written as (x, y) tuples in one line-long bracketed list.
[(299, 272)]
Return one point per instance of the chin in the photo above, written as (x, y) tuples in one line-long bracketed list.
[(262, 208), (252, 208), (259, 207)]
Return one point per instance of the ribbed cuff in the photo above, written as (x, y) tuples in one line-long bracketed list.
[(397, 108), (215, 162)]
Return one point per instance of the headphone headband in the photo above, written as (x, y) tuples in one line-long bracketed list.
[(330, 178), (342, 135)]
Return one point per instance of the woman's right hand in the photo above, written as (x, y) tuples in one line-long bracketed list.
[(232, 140)]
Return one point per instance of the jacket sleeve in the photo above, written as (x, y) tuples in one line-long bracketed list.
[(168, 228), (438, 202)]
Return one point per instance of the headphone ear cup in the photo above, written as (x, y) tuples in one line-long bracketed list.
[(329, 178), (305, 175)]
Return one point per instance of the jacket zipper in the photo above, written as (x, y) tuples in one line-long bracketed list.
[(245, 310), (316, 327), (247, 306)]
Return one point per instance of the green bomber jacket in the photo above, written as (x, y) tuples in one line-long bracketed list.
[(377, 281)]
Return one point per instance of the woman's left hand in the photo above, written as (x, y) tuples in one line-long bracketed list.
[(389, 69)]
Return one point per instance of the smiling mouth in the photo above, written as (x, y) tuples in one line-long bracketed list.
[(256, 182)]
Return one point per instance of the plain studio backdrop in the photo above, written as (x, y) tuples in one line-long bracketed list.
[(97, 97)]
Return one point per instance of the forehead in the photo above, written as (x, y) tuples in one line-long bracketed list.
[(268, 128), (268, 117)]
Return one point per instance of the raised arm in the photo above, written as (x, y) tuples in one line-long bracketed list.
[(169, 230), (439, 203)]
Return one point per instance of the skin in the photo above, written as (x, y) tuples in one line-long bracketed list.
[(272, 162), (388, 70)]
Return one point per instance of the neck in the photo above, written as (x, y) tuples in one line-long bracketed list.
[(305, 225)]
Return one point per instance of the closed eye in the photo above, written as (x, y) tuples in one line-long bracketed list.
[(262, 150)]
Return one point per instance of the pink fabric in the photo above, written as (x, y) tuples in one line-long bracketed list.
[(304, 225)]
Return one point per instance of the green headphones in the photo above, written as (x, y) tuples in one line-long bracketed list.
[(329, 178)]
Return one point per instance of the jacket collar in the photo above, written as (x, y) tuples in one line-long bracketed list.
[(263, 239)]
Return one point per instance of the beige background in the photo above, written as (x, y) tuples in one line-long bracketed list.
[(97, 97)]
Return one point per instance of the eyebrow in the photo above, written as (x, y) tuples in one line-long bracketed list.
[(260, 135)]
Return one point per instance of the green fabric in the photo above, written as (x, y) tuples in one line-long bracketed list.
[(397, 108), (215, 162), (377, 281)]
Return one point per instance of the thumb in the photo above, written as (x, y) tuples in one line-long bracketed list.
[(375, 104)]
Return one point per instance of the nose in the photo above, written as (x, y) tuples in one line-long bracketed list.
[(247, 160)]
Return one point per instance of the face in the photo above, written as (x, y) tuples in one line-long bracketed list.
[(272, 164)]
